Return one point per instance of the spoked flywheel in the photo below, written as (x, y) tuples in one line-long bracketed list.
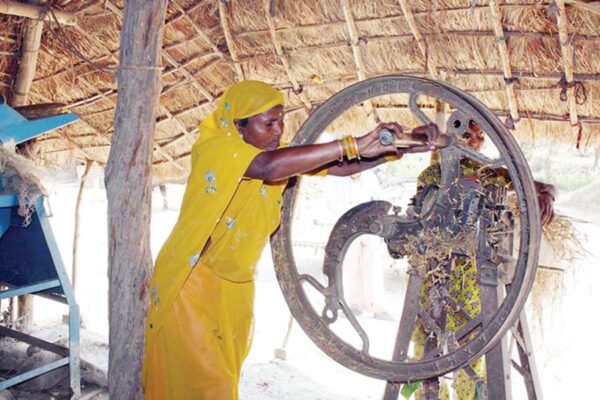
[(459, 218)]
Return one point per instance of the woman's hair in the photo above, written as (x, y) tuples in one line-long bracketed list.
[(244, 122)]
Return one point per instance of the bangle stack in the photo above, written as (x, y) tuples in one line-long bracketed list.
[(350, 146)]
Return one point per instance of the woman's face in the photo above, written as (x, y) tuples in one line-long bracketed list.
[(474, 137), (263, 130)]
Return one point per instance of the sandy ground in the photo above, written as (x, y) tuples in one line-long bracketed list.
[(565, 342)]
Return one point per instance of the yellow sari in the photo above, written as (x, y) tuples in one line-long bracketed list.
[(198, 329)]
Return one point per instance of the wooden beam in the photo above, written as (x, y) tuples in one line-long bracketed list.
[(354, 39), (566, 49), (197, 28), (392, 18), (30, 48), (36, 12), (502, 113), (128, 178), (224, 18), (157, 148), (370, 111), (412, 24), (395, 38), (296, 88), (505, 59), (593, 6), (520, 74), (74, 67), (169, 58)]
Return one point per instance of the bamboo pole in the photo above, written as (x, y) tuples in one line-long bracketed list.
[(30, 48), (505, 59), (224, 18), (356, 54), (566, 49), (392, 18), (412, 23), (354, 39), (197, 28), (593, 6), (386, 39), (296, 88), (36, 12)]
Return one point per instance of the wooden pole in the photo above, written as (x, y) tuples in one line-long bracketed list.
[(567, 52), (128, 178), (505, 58), (357, 55), (86, 171), (224, 18), (283, 57), (32, 37), (36, 12), (421, 42)]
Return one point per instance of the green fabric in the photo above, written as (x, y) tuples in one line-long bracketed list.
[(408, 389)]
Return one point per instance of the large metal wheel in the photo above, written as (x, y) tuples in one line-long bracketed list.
[(458, 208)]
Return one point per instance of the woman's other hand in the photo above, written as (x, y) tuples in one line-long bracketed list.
[(546, 193), (546, 202), (430, 133)]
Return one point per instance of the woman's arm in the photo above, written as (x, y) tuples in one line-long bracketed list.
[(280, 164), (348, 168)]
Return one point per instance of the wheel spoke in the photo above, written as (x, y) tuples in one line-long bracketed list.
[(416, 111), (480, 158), (408, 318)]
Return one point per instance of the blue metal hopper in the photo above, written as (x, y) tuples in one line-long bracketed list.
[(30, 262)]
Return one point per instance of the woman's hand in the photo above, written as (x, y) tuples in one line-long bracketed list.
[(428, 132), (546, 202), (369, 145), (546, 193)]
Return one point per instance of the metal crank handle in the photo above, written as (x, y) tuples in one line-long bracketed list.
[(387, 137)]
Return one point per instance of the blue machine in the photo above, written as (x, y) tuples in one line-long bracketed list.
[(30, 262)]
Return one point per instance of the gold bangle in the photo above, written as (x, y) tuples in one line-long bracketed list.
[(354, 144), (341, 149), (348, 147)]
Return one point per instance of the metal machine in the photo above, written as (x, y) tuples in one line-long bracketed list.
[(30, 262), (460, 219)]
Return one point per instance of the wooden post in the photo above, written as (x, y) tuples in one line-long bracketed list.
[(86, 171), (567, 51), (505, 58), (32, 37), (36, 12), (128, 178)]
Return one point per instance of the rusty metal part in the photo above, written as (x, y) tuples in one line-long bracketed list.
[(387, 138), (459, 215)]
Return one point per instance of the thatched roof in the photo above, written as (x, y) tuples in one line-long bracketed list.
[(310, 50)]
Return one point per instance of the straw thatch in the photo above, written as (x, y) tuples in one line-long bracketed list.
[(311, 49)]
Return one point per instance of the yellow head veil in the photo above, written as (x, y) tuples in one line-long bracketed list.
[(241, 100)]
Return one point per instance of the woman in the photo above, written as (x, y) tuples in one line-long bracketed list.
[(463, 287), (199, 322)]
